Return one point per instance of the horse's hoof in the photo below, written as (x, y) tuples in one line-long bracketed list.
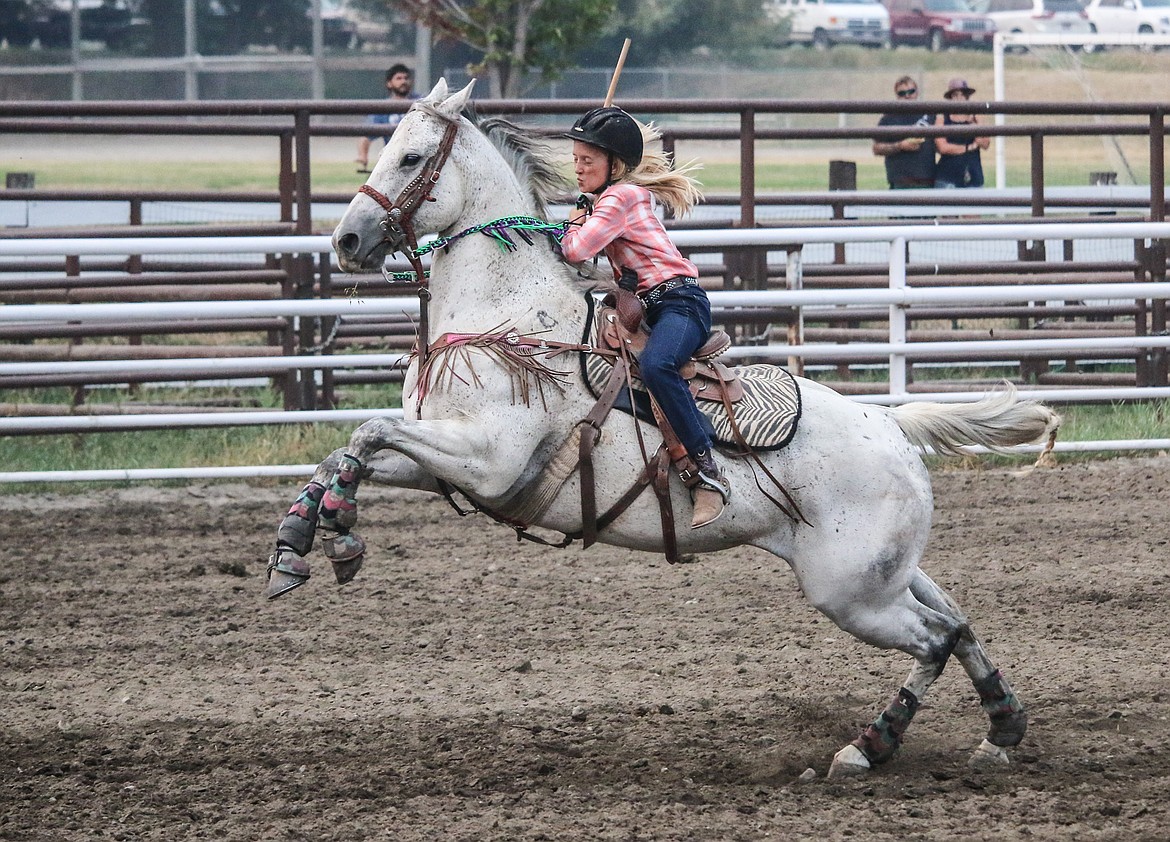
[(849, 762), (1008, 729), (988, 757), (347, 553), (346, 570), (286, 571)]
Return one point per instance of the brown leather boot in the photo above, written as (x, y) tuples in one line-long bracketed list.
[(711, 493)]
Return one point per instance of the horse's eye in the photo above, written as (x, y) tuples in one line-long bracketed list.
[(410, 159)]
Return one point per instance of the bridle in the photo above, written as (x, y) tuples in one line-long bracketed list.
[(398, 225)]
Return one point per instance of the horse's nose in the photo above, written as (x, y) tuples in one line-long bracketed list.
[(347, 244)]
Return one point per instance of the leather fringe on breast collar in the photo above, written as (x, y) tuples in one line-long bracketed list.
[(521, 355)]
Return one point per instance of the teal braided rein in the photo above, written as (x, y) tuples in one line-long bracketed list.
[(497, 229)]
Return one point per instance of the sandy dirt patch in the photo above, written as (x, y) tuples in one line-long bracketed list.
[(469, 687)]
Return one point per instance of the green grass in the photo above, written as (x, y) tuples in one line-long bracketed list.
[(270, 445), (809, 172), (310, 443), (275, 445), (1111, 422)]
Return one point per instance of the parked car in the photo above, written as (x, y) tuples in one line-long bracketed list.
[(938, 24), (226, 28), (338, 28), (823, 23), (1129, 17), (1051, 17), (16, 23), (116, 23)]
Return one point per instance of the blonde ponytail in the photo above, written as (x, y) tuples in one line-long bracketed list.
[(671, 185)]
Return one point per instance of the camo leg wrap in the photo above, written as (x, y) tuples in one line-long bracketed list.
[(1009, 720), (879, 741), (339, 505), (296, 530)]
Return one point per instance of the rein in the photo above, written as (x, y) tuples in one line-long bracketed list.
[(398, 227), (497, 229)]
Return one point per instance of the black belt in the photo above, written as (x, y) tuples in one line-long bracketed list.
[(654, 295)]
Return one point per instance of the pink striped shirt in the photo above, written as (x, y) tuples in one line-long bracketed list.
[(624, 226)]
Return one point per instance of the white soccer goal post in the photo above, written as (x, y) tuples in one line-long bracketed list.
[(1069, 45)]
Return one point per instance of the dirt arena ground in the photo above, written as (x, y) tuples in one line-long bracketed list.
[(467, 687)]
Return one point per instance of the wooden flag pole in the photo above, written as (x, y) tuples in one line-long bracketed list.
[(617, 72)]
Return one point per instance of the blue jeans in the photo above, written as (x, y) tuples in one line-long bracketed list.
[(679, 324)]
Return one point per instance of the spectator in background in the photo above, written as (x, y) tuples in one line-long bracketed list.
[(909, 160), (400, 85), (959, 161)]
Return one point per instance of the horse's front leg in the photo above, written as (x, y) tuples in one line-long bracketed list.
[(328, 502), (421, 451)]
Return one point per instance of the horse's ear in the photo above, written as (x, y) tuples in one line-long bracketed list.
[(438, 92), (453, 105)]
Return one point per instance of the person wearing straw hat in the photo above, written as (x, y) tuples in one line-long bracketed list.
[(959, 161), (620, 180)]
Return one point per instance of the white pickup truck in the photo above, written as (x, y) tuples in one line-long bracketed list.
[(823, 23)]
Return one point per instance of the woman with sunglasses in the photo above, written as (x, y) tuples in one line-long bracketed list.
[(959, 161)]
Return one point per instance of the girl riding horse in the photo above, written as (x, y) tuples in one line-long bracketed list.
[(615, 215)]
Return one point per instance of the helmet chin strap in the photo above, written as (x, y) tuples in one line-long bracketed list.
[(609, 179)]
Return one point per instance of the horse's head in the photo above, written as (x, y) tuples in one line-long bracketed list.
[(403, 198)]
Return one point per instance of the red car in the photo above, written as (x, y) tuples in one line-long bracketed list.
[(938, 24)]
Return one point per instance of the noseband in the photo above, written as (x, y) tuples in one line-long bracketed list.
[(398, 226)]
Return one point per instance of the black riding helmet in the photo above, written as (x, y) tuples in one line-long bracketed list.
[(613, 130)]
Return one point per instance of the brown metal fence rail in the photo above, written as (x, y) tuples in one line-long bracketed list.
[(294, 124)]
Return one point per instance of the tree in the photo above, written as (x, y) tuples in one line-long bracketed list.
[(515, 36), (667, 29)]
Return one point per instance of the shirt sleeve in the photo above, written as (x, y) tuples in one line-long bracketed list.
[(600, 228), (377, 120)]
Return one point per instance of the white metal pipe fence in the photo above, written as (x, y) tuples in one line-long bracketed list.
[(897, 297)]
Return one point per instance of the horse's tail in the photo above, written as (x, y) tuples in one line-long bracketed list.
[(999, 421)]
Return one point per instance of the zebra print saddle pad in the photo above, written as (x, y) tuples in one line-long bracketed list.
[(766, 415)]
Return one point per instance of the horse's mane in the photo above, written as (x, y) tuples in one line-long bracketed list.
[(530, 157)]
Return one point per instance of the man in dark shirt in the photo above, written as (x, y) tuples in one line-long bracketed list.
[(399, 85), (910, 160)]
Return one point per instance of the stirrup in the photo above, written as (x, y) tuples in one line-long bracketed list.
[(714, 482)]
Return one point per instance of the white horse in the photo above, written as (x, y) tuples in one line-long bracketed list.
[(495, 432)]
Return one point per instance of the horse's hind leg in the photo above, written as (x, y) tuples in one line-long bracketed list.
[(1009, 719), (945, 631), (930, 636)]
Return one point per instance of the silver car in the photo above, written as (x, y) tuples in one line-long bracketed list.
[(1129, 17), (1048, 17)]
